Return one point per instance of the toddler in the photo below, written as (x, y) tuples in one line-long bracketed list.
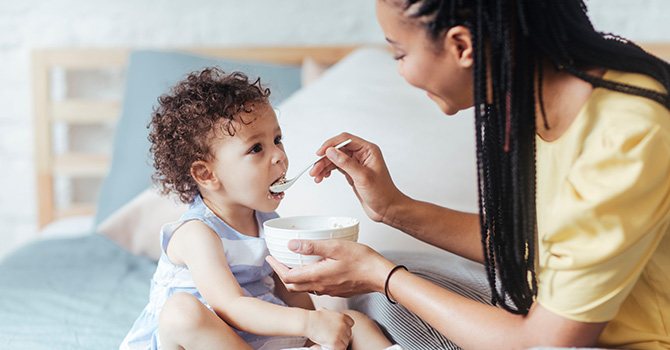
[(216, 144)]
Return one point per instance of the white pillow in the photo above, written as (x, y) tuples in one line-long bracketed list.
[(137, 224), (431, 156), (311, 71)]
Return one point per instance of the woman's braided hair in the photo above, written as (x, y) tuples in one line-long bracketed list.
[(510, 38)]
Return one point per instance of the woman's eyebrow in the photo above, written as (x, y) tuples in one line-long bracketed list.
[(394, 44)]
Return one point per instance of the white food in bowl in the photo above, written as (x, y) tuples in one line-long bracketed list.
[(278, 232)]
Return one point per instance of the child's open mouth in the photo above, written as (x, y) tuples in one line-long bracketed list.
[(277, 195)]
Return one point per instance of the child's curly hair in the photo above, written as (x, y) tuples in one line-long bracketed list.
[(189, 115)]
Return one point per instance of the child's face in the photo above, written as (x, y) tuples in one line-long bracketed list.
[(249, 162)]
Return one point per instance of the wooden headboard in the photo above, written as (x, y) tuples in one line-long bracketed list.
[(91, 111), (83, 111)]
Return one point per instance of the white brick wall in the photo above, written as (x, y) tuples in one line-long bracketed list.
[(30, 24)]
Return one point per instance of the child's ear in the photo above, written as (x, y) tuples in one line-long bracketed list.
[(204, 175)]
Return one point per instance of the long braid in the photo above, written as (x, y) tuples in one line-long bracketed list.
[(482, 112), (510, 38), (512, 239)]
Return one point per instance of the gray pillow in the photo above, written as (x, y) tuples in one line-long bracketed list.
[(150, 74)]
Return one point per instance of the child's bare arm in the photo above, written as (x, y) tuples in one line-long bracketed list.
[(295, 299), (196, 246)]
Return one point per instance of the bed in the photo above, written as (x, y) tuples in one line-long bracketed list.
[(85, 290)]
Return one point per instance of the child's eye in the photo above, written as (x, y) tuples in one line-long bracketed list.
[(278, 140), (257, 148)]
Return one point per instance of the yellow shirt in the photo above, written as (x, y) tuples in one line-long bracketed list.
[(603, 213)]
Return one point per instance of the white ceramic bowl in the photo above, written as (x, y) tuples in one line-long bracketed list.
[(281, 230)]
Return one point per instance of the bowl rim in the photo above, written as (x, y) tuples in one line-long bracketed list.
[(355, 222)]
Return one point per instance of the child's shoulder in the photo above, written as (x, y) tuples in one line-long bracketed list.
[(193, 225), (193, 229), (192, 238)]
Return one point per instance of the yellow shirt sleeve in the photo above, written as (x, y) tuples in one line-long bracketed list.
[(603, 204)]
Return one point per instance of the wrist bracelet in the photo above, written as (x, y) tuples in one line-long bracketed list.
[(386, 285)]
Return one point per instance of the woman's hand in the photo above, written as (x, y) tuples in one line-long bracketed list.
[(363, 165), (348, 268)]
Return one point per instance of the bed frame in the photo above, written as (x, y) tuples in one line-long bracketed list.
[(96, 112)]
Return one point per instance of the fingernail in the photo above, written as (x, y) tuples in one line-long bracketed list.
[(331, 153), (294, 244)]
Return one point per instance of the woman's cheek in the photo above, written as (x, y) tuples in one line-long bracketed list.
[(416, 77), (411, 78)]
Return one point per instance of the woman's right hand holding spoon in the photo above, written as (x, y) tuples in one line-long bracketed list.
[(363, 165)]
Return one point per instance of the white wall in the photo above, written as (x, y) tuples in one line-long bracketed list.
[(29, 24)]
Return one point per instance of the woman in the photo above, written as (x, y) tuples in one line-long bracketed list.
[(582, 256)]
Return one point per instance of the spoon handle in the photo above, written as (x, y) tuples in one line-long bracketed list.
[(340, 145)]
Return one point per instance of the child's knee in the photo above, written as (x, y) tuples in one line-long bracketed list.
[(366, 332), (355, 314), (358, 317), (182, 312)]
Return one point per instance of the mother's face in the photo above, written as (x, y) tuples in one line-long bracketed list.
[(443, 68)]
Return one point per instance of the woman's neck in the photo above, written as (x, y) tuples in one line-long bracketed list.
[(564, 95), (241, 219)]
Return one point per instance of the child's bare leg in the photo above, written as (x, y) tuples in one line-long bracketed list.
[(366, 334), (185, 323)]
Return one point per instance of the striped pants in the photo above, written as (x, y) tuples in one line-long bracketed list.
[(449, 271)]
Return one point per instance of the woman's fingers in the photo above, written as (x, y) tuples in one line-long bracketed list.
[(279, 268), (324, 167), (332, 142), (301, 278), (348, 268), (337, 160), (362, 163), (327, 248), (309, 277)]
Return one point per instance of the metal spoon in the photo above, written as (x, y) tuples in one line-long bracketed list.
[(283, 186)]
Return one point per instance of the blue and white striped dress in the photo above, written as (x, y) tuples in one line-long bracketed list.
[(246, 259)]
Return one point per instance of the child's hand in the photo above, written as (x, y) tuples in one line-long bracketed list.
[(330, 329)]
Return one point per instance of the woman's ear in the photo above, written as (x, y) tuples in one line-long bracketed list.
[(458, 42), (204, 175)]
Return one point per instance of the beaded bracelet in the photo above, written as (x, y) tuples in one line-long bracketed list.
[(386, 285)]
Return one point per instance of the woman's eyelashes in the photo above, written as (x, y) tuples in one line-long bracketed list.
[(398, 55)]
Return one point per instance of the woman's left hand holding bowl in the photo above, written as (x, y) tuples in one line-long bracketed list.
[(348, 268)]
